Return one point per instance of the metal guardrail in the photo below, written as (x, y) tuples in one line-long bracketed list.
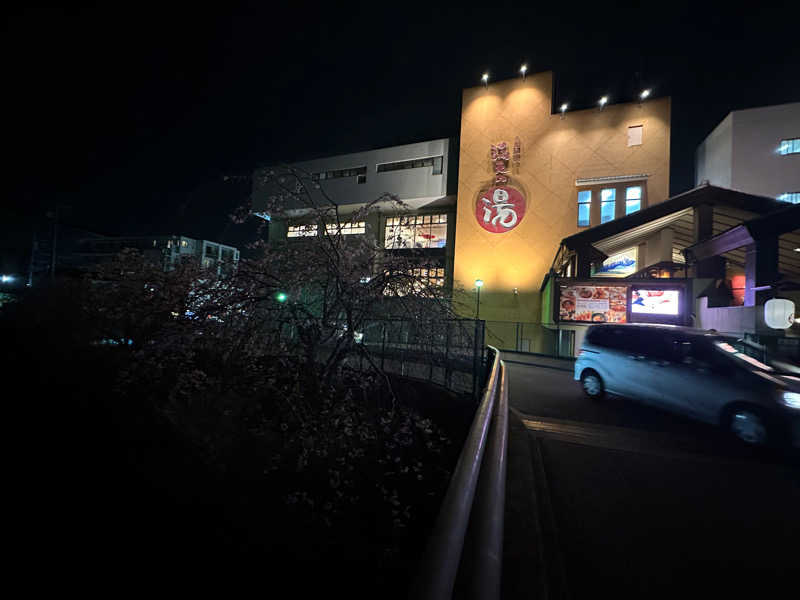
[(482, 467)]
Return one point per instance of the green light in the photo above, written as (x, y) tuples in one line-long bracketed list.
[(280, 297)]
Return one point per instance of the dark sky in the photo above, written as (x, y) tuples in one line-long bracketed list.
[(132, 115)]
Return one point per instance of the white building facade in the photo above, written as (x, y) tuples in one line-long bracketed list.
[(756, 151)]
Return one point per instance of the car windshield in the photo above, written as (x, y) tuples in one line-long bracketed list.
[(756, 358)]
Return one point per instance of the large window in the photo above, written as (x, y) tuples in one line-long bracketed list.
[(431, 161), (416, 231), (347, 228), (790, 197), (608, 204), (301, 231), (339, 173), (790, 146), (633, 199), (422, 277), (584, 208)]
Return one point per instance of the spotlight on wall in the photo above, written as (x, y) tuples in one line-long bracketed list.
[(485, 79), (523, 69), (603, 101), (563, 109)]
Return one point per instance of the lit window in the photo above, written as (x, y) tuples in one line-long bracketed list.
[(633, 199), (347, 228), (608, 202), (423, 278), (416, 231), (584, 208), (301, 231), (790, 146), (790, 197)]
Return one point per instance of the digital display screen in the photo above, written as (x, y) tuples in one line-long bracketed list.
[(655, 302), (593, 303)]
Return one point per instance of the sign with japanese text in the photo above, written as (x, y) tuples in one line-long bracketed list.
[(501, 207)]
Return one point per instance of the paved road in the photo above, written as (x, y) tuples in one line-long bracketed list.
[(635, 502)]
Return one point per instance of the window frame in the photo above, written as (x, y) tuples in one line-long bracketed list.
[(588, 204), (612, 202)]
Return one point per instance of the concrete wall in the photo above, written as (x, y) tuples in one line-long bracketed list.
[(742, 151), (555, 152), (407, 184), (757, 166), (714, 156)]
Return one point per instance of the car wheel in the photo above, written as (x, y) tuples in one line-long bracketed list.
[(592, 385), (749, 425)]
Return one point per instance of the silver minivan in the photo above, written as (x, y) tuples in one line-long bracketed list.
[(696, 373)]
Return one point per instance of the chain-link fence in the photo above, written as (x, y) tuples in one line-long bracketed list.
[(449, 353), (530, 337)]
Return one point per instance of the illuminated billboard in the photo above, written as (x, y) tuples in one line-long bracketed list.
[(620, 264), (655, 302), (593, 303)]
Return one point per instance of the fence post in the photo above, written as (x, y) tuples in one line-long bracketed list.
[(447, 372), (383, 344)]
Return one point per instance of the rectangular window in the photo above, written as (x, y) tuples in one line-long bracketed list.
[(790, 197), (425, 276), (416, 231), (635, 135), (431, 161), (584, 208), (791, 146), (633, 199), (608, 204), (347, 228), (338, 174), (301, 231)]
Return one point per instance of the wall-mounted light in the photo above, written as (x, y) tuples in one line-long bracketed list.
[(523, 69), (485, 79), (603, 101), (563, 109)]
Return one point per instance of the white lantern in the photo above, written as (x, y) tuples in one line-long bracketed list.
[(779, 313)]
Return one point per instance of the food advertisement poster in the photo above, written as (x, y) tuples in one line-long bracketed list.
[(655, 302), (593, 303), (621, 264)]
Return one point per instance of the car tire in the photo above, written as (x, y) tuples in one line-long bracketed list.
[(749, 425), (593, 385)]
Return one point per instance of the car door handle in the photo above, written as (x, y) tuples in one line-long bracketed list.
[(638, 357)]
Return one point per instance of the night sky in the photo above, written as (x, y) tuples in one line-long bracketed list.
[(132, 116)]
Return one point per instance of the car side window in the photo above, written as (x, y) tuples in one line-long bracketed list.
[(704, 356)]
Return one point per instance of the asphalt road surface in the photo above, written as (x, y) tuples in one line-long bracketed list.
[(635, 502)]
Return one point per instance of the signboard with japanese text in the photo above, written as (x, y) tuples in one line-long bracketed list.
[(501, 207), (655, 302), (593, 303)]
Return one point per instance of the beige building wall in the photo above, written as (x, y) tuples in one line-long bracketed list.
[(555, 152)]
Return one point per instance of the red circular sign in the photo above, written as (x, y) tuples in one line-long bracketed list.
[(500, 209)]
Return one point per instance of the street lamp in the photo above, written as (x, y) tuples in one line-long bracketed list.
[(478, 286), (485, 79)]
